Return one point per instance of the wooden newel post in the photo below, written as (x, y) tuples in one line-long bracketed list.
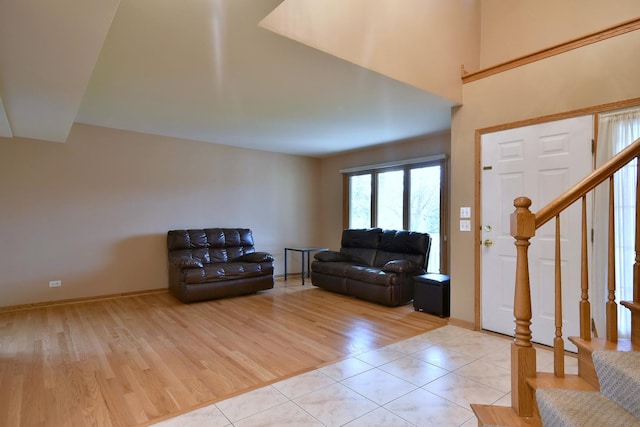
[(523, 355)]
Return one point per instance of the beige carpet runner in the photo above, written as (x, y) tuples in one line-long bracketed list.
[(616, 404)]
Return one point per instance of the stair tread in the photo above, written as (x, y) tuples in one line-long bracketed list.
[(503, 416), (581, 408), (568, 382), (603, 344), (586, 349), (619, 377)]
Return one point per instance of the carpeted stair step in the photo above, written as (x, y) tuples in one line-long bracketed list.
[(619, 375), (587, 347), (576, 408)]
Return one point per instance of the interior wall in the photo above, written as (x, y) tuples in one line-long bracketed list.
[(539, 24), (330, 188), (597, 74), (94, 212)]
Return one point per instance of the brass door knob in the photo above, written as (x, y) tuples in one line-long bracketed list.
[(488, 243)]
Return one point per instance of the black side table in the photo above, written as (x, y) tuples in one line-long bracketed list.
[(303, 251), (432, 294)]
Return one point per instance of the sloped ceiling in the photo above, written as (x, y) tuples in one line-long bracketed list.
[(47, 53), (419, 42), (195, 69)]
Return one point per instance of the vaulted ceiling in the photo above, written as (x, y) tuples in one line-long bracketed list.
[(203, 70)]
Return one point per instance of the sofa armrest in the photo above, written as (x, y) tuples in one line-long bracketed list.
[(255, 257), (401, 266), (331, 256), (185, 262)]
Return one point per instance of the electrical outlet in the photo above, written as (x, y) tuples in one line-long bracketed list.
[(55, 283), (465, 225), (465, 212)]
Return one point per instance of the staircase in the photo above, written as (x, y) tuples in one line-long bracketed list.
[(616, 404), (606, 390)]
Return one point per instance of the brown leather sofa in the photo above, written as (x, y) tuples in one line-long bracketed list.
[(215, 263), (374, 264)]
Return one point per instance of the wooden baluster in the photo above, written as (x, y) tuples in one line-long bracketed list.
[(523, 354), (585, 306), (636, 265), (635, 318), (611, 306), (558, 342)]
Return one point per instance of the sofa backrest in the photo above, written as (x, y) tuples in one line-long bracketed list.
[(361, 244), (402, 244), (375, 247), (210, 244)]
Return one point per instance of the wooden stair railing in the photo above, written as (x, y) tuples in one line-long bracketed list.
[(524, 224)]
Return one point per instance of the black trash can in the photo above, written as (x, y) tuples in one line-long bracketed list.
[(432, 294)]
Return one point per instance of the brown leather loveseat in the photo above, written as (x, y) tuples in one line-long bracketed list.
[(215, 263), (374, 264)]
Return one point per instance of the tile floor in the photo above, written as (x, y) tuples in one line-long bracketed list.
[(427, 380)]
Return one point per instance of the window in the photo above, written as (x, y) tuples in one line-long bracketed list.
[(401, 197), (360, 201), (616, 130), (389, 205), (425, 209)]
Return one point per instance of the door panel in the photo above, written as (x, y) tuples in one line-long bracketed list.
[(539, 162)]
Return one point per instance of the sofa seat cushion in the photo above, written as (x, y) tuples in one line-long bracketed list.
[(331, 268), (372, 275), (220, 271)]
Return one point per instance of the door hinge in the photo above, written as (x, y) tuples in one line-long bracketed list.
[(593, 146), (592, 235)]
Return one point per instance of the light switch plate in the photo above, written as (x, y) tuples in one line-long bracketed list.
[(465, 225), (465, 212)]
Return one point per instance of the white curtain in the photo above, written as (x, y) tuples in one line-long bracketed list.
[(616, 131)]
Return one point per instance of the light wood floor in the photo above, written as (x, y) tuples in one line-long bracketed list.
[(130, 361)]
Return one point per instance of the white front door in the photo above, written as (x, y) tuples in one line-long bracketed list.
[(538, 162)]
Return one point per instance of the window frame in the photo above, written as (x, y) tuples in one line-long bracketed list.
[(406, 166)]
